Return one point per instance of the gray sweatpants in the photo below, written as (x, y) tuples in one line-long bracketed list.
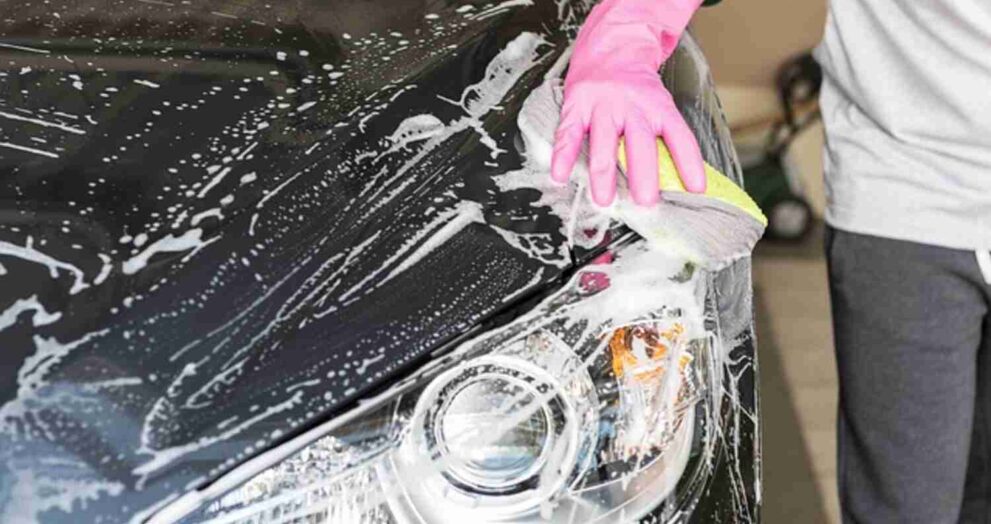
[(912, 349)]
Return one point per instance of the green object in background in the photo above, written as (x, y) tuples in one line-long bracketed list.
[(769, 182), (789, 215)]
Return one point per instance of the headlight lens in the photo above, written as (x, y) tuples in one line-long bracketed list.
[(491, 426), (592, 407), (497, 436), (512, 455)]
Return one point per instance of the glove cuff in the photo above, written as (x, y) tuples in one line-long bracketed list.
[(630, 34)]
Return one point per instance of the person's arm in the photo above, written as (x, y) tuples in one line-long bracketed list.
[(613, 89)]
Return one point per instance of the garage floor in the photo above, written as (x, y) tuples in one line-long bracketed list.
[(798, 383)]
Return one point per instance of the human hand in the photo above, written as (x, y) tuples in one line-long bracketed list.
[(613, 89)]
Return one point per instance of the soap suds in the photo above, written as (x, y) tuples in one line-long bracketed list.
[(30, 254), (40, 317), (167, 244)]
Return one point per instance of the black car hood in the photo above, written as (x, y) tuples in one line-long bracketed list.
[(222, 223)]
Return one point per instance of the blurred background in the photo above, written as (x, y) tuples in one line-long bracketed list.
[(758, 53)]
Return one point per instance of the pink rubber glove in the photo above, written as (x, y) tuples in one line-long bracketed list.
[(613, 88)]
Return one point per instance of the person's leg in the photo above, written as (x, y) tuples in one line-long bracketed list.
[(907, 322), (977, 493)]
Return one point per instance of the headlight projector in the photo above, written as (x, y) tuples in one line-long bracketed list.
[(498, 437)]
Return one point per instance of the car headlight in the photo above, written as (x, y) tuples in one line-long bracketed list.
[(594, 406)]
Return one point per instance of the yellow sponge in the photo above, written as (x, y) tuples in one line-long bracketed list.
[(718, 185)]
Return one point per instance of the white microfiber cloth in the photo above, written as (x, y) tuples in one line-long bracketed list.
[(712, 229)]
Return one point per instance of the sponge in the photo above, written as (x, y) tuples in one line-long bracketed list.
[(713, 229), (718, 185)]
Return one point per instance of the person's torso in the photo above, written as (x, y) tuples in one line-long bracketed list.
[(907, 107)]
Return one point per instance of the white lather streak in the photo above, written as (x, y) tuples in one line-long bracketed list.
[(43, 123), (30, 254), (27, 149), (167, 244), (25, 48), (454, 220), (466, 213), (40, 317)]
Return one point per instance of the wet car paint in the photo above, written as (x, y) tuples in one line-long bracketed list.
[(225, 223)]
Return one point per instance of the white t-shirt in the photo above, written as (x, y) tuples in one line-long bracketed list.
[(906, 103)]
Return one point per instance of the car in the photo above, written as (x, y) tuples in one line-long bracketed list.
[(294, 262)]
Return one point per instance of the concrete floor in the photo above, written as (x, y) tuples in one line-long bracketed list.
[(798, 382)]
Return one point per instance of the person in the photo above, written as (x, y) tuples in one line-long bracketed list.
[(906, 103)]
